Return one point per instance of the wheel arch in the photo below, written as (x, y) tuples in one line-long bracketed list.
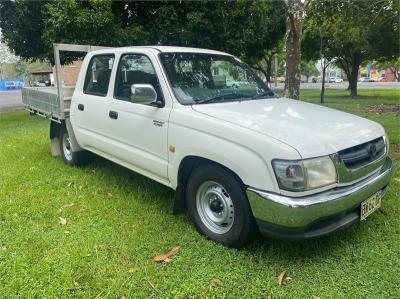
[(186, 167), (55, 129)]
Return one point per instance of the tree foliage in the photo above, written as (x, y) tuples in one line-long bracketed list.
[(244, 28), (308, 68), (352, 32)]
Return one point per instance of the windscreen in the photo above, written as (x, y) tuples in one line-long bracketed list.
[(198, 78)]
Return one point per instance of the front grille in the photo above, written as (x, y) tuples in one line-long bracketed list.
[(363, 154)]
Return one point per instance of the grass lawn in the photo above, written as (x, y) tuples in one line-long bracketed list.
[(116, 221)]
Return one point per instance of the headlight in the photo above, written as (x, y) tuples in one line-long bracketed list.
[(306, 174)]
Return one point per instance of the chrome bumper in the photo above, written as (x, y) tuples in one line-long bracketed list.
[(273, 211)]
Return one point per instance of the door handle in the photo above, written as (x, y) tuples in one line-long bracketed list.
[(81, 107), (113, 114)]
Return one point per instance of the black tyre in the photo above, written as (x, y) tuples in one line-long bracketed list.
[(69, 156), (218, 206)]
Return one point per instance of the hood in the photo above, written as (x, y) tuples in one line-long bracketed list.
[(312, 130)]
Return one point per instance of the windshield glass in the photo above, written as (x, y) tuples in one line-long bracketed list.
[(205, 78)]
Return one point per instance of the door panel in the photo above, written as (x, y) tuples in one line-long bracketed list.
[(139, 136), (138, 132), (91, 104)]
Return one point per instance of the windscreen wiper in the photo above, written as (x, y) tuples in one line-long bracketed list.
[(222, 97), (266, 94)]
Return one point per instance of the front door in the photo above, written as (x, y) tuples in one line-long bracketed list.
[(138, 132)]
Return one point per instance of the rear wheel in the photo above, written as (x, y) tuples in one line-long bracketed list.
[(70, 157), (218, 206)]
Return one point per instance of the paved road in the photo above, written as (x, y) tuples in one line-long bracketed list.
[(343, 85), (12, 99)]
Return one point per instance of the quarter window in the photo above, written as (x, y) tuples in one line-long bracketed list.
[(98, 75), (135, 69)]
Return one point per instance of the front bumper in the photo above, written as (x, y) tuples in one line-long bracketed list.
[(297, 218)]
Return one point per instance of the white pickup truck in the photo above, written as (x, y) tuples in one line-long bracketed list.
[(240, 158)]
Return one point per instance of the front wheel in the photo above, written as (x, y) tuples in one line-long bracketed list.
[(218, 206)]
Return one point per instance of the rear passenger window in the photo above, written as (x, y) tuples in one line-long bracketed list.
[(98, 75)]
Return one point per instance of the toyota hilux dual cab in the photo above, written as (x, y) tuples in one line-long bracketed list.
[(241, 159)]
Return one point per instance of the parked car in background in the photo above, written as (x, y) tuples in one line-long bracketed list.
[(335, 80), (365, 79), (40, 83), (315, 79)]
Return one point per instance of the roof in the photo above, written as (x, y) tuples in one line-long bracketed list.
[(169, 49), (41, 72)]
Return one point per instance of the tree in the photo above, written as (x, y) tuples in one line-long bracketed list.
[(243, 28), (356, 31), (316, 43), (22, 27), (265, 64), (295, 11), (308, 68)]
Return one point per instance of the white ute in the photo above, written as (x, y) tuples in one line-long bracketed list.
[(240, 158)]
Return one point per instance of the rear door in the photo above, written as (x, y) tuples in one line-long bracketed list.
[(138, 132), (91, 104)]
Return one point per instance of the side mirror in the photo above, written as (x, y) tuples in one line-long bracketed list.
[(143, 94)]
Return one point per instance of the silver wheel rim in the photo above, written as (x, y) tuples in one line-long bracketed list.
[(215, 207), (66, 145)]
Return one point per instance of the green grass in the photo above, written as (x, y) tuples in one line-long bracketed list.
[(119, 220)]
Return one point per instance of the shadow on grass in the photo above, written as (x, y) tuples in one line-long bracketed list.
[(130, 181), (163, 199)]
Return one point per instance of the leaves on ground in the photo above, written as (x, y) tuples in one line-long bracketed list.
[(133, 270), (217, 282), (68, 205), (280, 277), (383, 108), (63, 221), (110, 195), (166, 256)]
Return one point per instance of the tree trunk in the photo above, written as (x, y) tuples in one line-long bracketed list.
[(269, 69), (325, 65), (395, 74), (293, 48), (353, 78), (351, 66)]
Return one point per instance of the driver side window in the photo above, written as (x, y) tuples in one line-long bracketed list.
[(135, 69)]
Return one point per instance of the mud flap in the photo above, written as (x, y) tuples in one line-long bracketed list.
[(55, 147), (54, 139), (74, 144)]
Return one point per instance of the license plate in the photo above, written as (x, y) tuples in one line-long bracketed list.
[(371, 204)]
